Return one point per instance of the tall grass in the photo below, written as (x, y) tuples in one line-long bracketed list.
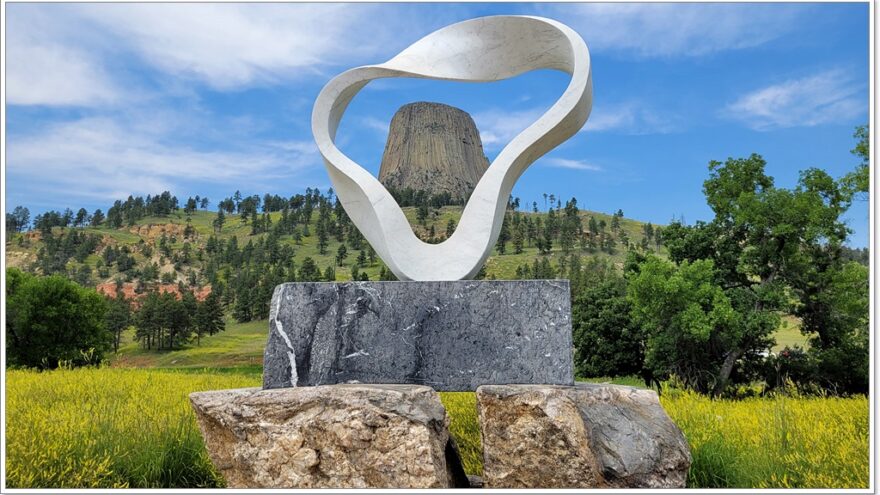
[(778, 442), (111, 427), (91, 428), (465, 428)]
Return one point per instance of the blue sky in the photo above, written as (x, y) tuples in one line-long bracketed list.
[(107, 100)]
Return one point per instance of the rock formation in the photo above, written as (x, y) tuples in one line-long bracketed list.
[(433, 147), (585, 436), (330, 436)]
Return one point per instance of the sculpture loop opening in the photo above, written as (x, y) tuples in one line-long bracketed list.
[(478, 50)]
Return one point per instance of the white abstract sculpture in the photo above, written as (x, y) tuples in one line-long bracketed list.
[(477, 50)]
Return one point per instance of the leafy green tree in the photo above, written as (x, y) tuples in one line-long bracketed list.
[(690, 323), (607, 341), (51, 319), (858, 182), (769, 245)]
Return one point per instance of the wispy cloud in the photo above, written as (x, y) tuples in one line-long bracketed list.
[(677, 29), (497, 126), (106, 158), (570, 164), (65, 54), (374, 124), (49, 70), (629, 118), (826, 97), (233, 45)]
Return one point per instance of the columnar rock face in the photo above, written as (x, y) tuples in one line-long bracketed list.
[(433, 147), (585, 436), (453, 335), (334, 436)]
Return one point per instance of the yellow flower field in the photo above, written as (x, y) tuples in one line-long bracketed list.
[(134, 428)]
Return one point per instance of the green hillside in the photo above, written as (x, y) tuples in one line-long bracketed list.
[(239, 347), (23, 248)]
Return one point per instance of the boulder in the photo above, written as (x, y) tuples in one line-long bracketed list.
[(331, 436), (582, 436)]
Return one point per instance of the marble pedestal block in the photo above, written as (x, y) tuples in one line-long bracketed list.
[(450, 335)]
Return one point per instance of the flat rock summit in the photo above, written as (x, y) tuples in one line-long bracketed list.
[(433, 147)]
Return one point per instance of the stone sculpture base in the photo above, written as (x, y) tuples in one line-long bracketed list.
[(336, 436), (585, 436), (448, 335)]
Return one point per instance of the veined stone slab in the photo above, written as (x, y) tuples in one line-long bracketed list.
[(450, 335)]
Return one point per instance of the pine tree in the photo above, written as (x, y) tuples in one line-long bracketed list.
[(341, 254), (450, 228), (503, 236), (519, 237), (219, 221), (209, 316), (323, 236), (117, 318)]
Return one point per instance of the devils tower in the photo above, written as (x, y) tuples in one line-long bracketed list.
[(433, 147)]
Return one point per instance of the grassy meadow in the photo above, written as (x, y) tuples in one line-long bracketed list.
[(126, 427), (129, 424)]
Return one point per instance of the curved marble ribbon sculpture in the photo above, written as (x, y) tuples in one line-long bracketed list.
[(477, 50)]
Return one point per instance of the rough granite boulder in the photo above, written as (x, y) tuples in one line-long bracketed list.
[(582, 436), (331, 436)]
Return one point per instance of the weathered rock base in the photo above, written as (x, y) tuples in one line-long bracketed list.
[(582, 436), (332, 436)]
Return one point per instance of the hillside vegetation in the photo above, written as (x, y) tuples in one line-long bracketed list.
[(23, 248)]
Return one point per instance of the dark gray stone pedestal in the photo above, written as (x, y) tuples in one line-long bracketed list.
[(448, 335)]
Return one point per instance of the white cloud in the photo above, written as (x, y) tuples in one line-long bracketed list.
[(47, 70), (571, 164), (498, 127), (375, 124), (826, 97), (232, 45), (105, 158), (79, 54), (629, 118), (677, 29)]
